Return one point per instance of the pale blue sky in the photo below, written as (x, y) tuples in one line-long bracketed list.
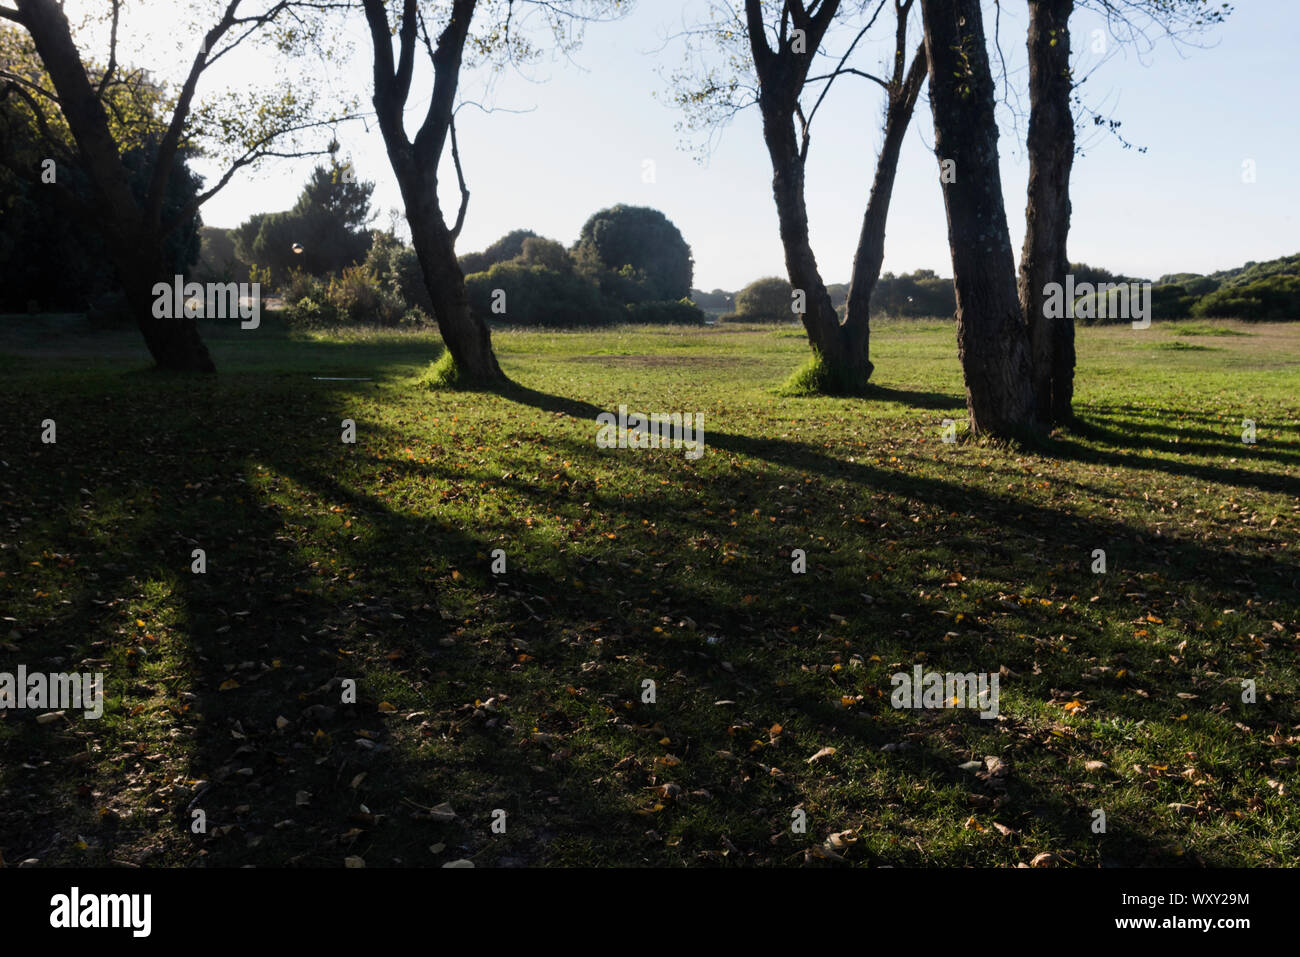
[(1183, 205)]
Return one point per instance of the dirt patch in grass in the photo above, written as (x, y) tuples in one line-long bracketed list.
[(669, 360)]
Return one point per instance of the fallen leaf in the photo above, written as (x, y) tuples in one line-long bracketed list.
[(823, 753)]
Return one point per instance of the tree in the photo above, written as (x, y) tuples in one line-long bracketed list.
[(416, 160), (547, 253), (325, 232), (1044, 260), (134, 226), (47, 256), (770, 51), (396, 267), (506, 249), (992, 338), (916, 294), (902, 90), (1051, 146), (766, 300), (640, 243)]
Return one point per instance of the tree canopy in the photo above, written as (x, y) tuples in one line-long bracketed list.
[(326, 231), (642, 248)]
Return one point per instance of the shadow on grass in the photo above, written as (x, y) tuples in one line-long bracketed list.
[(318, 574), (1145, 450)]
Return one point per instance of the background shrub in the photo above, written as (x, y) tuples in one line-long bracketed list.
[(309, 314), (1274, 298), (536, 296), (681, 313), (766, 300)]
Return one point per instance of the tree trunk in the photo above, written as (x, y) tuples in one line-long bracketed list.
[(870, 255), (137, 252), (467, 337), (174, 343), (819, 317), (1047, 214), (992, 339), (415, 164)]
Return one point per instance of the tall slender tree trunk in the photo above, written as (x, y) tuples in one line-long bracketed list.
[(819, 317), (870, 255), (992, 339), (1047, 214)]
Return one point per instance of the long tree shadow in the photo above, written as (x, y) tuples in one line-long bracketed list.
[(530, 685), (1226, 446), (697, 588)]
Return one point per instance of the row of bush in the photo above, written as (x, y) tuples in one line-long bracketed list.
[(524, 295), (920, 294), (388, 291), (1276, 297), (1272, 299), (511, 293), (630, 265)]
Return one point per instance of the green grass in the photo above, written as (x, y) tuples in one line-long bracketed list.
[(816, 378), (523, 692), (1204, 329)]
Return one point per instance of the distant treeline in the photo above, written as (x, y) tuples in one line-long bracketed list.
[(1256, 291)]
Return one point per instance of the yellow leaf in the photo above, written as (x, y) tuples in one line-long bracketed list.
[(386, 708)]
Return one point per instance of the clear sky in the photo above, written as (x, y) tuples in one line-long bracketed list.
[(1201, 112)]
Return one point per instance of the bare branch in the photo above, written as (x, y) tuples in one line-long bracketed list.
[(258, 151), (112, 51), (171, 139), (460, 177)]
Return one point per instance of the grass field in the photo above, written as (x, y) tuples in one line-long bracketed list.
[(1120, 692)]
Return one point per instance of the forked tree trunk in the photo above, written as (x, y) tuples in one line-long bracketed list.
[(415, 164), (1047, 214), (992, 340), (843, 348)]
